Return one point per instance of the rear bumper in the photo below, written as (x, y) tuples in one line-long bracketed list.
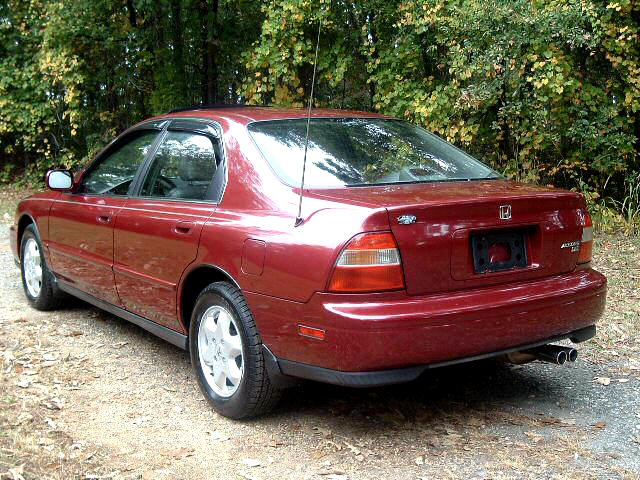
[(370, 333), (399, 375)]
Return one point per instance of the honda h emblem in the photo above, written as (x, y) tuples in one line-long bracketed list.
[(505, 212)]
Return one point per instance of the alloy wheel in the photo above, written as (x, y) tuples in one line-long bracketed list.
[(32, 264), (220, 351)]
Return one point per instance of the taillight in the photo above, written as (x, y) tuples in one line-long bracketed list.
[(586, 244), (369, 263)]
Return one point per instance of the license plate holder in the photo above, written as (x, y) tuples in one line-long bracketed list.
[(499, 251)]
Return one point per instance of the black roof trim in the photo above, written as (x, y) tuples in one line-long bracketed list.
[(213, 106)]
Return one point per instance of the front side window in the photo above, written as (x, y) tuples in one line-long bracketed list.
[(113, 174), (183, 168), (362, 151)]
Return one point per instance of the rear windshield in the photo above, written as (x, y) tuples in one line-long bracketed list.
[(362, 151)]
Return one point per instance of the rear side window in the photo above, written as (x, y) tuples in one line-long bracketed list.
[(183, 168), (113, 174)]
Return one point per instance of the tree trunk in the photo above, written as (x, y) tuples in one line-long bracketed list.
[(178, 49), (213, 35), (203, 12)]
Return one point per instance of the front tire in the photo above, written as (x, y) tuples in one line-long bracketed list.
[(226, 353), (38, 282)]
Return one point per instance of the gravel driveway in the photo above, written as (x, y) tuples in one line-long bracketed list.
[(84, 394)]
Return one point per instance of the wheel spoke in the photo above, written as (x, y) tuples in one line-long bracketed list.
[(207, 354), (209, 327), (232, 372), (232, 346), (224, 322), (219, 376)]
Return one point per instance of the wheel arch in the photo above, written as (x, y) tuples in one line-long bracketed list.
[(25, 220), (196, 280)]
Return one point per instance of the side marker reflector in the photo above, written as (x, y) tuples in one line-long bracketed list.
[(311, 332)]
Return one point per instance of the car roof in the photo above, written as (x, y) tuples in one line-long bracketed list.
[(248, 114)]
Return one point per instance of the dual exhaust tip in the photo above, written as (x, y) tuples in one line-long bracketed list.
[(555, 354)]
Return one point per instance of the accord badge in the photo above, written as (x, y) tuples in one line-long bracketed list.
[(574, 246)]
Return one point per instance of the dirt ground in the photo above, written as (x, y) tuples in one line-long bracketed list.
[(86, 395)]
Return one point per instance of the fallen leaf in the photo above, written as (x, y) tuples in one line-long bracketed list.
[(331, 472), (16, 472), (623, 380), (141, 420), (23, 382), (326, 433), (334, 476), (419, 460), (354, 450), (603, 380), (334, 444), (181, 453), (600, 424), (248, 476), (218, 436), (535, 437), (250, 462), (95, 476)]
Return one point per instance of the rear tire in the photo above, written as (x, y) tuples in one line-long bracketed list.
[(39, 284), (226, 353)]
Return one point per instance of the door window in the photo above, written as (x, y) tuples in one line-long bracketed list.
[(113, 174), (183, 168)]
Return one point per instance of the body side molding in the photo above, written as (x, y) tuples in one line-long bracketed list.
[(173, 337)]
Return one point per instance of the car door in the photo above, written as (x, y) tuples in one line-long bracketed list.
[(81, 223), (157, 231)]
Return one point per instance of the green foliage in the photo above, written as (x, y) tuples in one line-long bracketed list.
[(545, 91), (73, 74)]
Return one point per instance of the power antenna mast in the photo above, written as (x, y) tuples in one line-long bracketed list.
[(299, 219)]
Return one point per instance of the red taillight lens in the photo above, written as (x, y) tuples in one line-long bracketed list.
[(586, 245), (369, 263)]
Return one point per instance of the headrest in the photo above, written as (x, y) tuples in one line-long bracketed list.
[(194, 169)]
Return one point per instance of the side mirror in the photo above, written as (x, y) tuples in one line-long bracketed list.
[(60, 180)]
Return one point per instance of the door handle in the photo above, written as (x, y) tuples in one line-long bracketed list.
[(184, 227), (104, 218)]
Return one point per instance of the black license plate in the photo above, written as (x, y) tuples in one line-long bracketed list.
[(498, 251)]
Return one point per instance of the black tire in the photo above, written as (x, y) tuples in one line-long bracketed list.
[(49, 296), (255, 393)]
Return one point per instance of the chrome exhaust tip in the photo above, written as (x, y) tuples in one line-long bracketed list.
[(554, 354)]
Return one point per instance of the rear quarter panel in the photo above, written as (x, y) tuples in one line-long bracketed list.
[(257, 206)]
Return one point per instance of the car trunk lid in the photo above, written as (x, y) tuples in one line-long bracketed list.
[(458, 231)]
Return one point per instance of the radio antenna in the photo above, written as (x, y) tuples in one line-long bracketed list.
[(299, 220)]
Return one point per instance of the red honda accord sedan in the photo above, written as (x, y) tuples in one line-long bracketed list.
[(408, 253)]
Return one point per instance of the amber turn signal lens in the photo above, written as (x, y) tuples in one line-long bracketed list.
[(316, 333), (586, 244), (369, 263)]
